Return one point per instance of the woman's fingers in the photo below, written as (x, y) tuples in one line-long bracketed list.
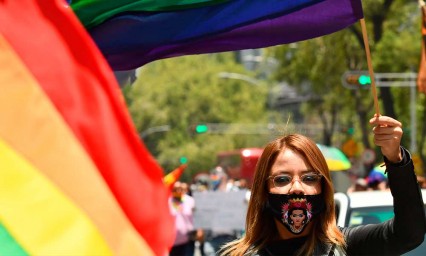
[(387, 135)]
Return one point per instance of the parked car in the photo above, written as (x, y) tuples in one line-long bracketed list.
[(369, 207)]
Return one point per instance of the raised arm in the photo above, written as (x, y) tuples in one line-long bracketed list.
[(407, 229)]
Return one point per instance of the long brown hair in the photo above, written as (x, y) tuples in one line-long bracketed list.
[(260, 226)]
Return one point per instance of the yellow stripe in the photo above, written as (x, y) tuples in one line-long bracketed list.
[(28, 120), (46, 222)]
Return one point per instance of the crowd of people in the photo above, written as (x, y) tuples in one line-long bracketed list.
[(375, 180), (181, 206)]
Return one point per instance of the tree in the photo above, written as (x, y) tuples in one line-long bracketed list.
[(319, 63), (315, 67), (184, 91)]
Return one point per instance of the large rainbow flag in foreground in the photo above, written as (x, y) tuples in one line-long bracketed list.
[(132, 33), (74, 177)]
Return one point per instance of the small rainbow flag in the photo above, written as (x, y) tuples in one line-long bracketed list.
[(173, 176), (75, 178)]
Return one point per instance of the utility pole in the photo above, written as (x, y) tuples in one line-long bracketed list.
[(238, 76), (151, 130)]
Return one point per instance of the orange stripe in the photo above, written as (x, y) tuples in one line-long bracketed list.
[(29, 120)]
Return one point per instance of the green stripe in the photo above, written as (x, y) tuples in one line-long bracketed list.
[(94, 12), (8, 245)]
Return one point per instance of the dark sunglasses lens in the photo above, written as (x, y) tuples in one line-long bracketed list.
[(282, 180), (311, 178)]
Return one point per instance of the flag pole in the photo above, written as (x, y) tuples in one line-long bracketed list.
[(370, 66)]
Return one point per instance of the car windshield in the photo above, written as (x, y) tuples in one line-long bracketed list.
[(373, 215), (369, 215)]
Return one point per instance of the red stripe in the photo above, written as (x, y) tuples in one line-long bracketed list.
[(56, 48)]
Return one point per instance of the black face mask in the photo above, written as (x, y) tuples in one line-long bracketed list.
[(295, 211)]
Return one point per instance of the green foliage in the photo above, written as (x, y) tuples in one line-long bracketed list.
[(317, 65), (185, 91)]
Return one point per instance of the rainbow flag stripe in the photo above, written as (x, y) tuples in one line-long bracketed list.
[(94, 12), (76, 180)]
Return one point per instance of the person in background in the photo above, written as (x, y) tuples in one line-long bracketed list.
[(218, 179), (215, 238), (292, 172), (185, 189), (377, 181), (243, 184), (182, 206), (422, 181), (359, 185), (198, 234)]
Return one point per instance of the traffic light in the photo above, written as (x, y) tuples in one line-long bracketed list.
[(201, 128), (364, 80), (356, 79), (183, 160), (196, 129), (350, 131)]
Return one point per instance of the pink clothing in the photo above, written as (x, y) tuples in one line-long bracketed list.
[(183, 212)]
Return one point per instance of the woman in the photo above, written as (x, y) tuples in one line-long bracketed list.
[(292, 170)]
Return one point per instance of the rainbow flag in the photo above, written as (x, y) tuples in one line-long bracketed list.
[(173, 176), (75, 178), (132, 38)]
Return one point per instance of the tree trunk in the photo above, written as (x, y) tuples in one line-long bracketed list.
[(387, 100)]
